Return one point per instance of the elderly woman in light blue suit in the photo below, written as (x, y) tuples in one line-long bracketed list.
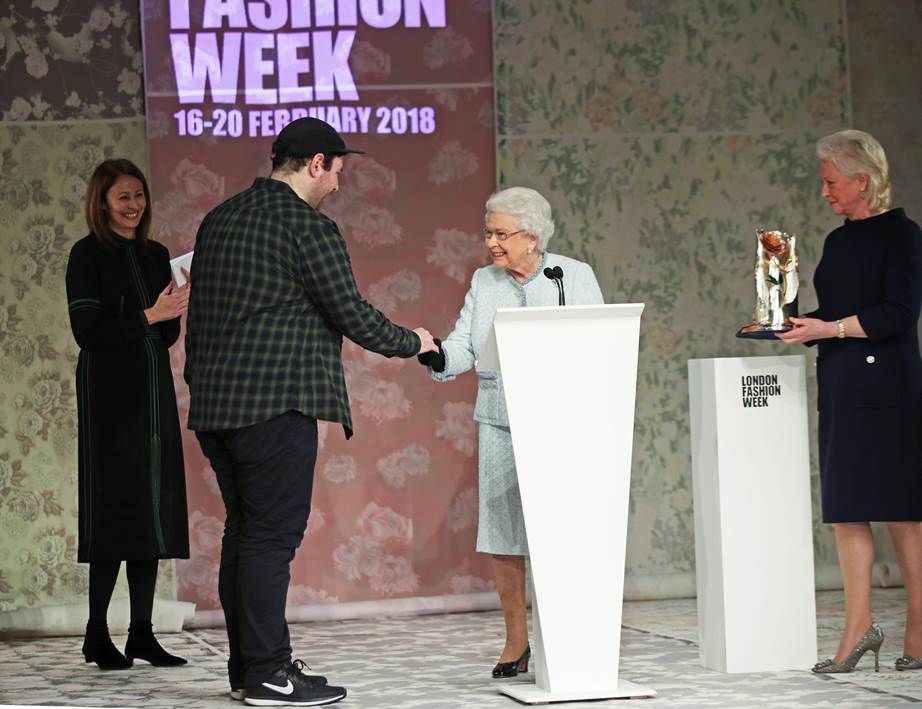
[(517, 228)]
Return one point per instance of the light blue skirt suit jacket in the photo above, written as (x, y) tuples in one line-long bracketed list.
[(501, 529)]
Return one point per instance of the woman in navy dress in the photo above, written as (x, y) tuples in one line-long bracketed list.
[(869, 379)]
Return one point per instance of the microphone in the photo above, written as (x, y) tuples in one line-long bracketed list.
[(556, 275)]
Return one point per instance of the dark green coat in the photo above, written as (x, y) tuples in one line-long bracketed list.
[(273, 295), (132, 492)]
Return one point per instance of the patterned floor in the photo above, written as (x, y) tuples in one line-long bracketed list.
[(442, 662)]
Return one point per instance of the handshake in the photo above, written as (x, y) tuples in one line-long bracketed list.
[(430, 351), (427, 342)]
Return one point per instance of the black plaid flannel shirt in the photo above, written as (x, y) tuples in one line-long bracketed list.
[(273, 293)]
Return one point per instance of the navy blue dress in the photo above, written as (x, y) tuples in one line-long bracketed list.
[(870, 390)]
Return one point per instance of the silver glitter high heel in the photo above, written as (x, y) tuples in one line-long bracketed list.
[(908, 662), (872, 641)]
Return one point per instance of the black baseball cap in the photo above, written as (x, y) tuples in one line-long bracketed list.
[(305, 137)]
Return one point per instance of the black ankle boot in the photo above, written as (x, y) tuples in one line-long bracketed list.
[(98, 648), (143, 645)]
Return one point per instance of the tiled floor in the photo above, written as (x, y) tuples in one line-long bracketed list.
[(443, 662)]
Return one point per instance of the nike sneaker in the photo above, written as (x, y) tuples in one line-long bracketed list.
[(291, 687)]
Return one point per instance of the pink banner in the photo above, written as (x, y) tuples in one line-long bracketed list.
[(411, 83)]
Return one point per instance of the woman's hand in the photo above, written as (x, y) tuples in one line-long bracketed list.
[(807, 329), (435, 358), (430, 352), (171, 303)]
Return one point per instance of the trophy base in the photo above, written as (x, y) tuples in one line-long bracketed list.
[(756, 332)]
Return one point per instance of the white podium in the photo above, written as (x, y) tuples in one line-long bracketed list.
[(753, 521), (570, 376)]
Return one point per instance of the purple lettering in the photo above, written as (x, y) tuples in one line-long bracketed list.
[(331, 66), (350, 125), (266, 127), (433, 9), (216, 10), (300, 14), (261, 122), (179, 14), (256, 67), (381, 13), (325, 11), (348, 13), (282, 118), (193, 70), (291, 67), (364, 115), (333, 117), (268, 14)]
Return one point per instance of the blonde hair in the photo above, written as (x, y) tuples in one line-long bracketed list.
[(854, 152)]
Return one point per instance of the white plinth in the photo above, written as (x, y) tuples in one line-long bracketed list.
[(531, 694), (753, 517)]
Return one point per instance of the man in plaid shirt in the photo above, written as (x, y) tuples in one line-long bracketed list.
[(274, 294)]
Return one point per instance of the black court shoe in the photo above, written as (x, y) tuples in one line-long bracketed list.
[(98, 648), (143, 645), (511, 669)]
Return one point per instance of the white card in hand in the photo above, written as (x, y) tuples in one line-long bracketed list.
[(179, 263)]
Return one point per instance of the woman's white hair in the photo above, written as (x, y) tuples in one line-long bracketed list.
[(528, 207), (854, 152)]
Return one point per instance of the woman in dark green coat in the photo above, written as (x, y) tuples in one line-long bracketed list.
[(124, 313)]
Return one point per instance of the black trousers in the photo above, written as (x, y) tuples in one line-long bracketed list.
[(266, 475)]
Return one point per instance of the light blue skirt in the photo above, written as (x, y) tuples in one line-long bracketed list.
[(501, 527)]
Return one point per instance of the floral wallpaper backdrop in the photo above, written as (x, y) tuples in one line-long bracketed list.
[(43, 173), (71, 95), (666, 133), (70, 59), (663, 133)]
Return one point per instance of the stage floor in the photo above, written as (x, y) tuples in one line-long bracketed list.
[(444, 662)]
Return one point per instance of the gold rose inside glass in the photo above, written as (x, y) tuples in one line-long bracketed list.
[(776, 283)]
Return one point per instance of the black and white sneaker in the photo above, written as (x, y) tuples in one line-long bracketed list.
[(238, 693), (291, 687)]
